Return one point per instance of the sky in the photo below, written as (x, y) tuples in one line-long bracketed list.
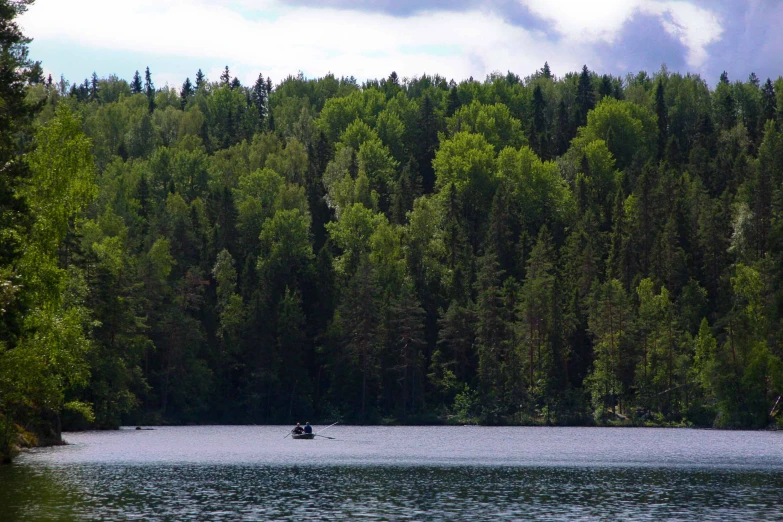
[(371, 38)]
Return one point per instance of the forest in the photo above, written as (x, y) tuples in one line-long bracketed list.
[(575, 249)]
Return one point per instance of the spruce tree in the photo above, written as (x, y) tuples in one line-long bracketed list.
[(149, 89), (502, 227), (663, 120), (585, 98), (452, 102), (610, 324), (186, 92), (136, 85), (491, 332), (546, 72), (259, 98), (15, 119), (359, 322), (94, 87), (605, 87), (725, 103), (406, 334), (769, 104), (538, 137), (537, 313), (225, 77), (427, 143), (563, 129), (620, 264), (201, 80)]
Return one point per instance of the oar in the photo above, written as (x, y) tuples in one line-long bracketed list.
[(324, 436), (326, 428), (286, 436)]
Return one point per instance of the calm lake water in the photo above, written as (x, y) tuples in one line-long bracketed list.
[(400, 473)]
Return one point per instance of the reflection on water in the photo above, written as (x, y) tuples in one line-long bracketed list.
[(438, 475), (36, 493)]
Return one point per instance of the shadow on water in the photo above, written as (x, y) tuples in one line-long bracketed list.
[(37, 493), (236, 492)]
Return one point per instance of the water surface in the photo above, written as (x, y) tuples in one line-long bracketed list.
[(413, 473)]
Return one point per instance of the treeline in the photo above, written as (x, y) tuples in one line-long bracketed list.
[(573, 250)]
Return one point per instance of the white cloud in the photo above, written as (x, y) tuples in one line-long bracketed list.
[(696, 28), (579, 19), (314, 40), (278, 39)]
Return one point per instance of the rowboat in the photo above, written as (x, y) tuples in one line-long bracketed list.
[(303, 436)]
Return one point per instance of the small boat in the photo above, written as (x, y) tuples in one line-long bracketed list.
[(303, 436)]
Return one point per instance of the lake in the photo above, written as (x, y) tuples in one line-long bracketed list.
[(400, 473)]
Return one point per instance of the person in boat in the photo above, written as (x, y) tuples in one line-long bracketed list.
[(308, 429), (298, 430)]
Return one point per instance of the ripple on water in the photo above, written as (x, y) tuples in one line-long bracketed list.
[(252, 473)]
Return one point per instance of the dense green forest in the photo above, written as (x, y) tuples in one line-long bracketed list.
[(567, 249)]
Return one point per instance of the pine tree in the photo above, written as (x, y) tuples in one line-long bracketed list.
[(235, 83), (136, 85), (546, 72)]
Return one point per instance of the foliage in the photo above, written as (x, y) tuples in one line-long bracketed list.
[(390, 251)]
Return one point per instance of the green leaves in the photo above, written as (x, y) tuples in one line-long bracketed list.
[(63, 180), (468, 161), (519, 286), (285, 245), (628, 129), (494, 122)]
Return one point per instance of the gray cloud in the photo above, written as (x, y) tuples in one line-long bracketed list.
[(642, 45), (511, 10), (752, 40)]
